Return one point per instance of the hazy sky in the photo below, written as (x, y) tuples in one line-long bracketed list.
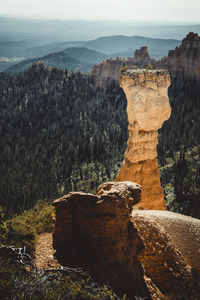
[(130, 10)]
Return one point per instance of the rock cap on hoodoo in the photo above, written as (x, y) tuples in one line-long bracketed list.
[(147, 98), (158, 78)]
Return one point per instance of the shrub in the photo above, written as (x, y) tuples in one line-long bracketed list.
[(123, 69), (134, 67), (22, 230), (149, 67)]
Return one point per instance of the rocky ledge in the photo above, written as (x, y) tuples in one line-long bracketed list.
[(132, 253)]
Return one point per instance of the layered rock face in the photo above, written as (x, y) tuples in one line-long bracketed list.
[(184, 232), (95, 232), (147, 108), (184, 62), (171, 248), (130, 251)]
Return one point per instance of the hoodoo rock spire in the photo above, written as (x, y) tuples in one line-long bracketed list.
[(147, 108)]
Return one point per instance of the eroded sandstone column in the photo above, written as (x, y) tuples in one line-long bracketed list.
[(147, 108)]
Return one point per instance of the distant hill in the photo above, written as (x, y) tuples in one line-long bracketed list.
[(85, 54), (59, 59), (45, 49), (12, 52), (76, 59), (6, 62), (31, 47), (123, 44), (118, 45), (13, 48)]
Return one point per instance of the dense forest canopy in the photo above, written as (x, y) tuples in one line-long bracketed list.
[(179, 148), (58, 133)]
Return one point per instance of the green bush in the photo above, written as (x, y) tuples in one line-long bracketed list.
[(149, 67), (123, 69), (134, 67), (22, 230)]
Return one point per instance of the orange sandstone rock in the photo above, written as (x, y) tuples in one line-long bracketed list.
[(135, 252), (147, 108), (95, 232)]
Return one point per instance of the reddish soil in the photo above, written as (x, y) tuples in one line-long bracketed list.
[(44, 252)]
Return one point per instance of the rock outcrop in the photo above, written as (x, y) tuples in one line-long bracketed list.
[(109, 70), (141, 56), (147, 108), (131, 252), (95, 232), (168, 238), (184, 232), (184, 62)]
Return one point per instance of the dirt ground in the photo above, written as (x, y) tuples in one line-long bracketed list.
[(44, 252)]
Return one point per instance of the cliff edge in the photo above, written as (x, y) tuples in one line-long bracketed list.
[(184, 61)]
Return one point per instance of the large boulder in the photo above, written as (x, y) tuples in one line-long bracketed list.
[(132, 252)]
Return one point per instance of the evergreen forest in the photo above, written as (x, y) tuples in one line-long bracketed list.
[(59, 133), (179, 149)]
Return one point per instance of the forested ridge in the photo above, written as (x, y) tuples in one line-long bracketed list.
[(59, 132)]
